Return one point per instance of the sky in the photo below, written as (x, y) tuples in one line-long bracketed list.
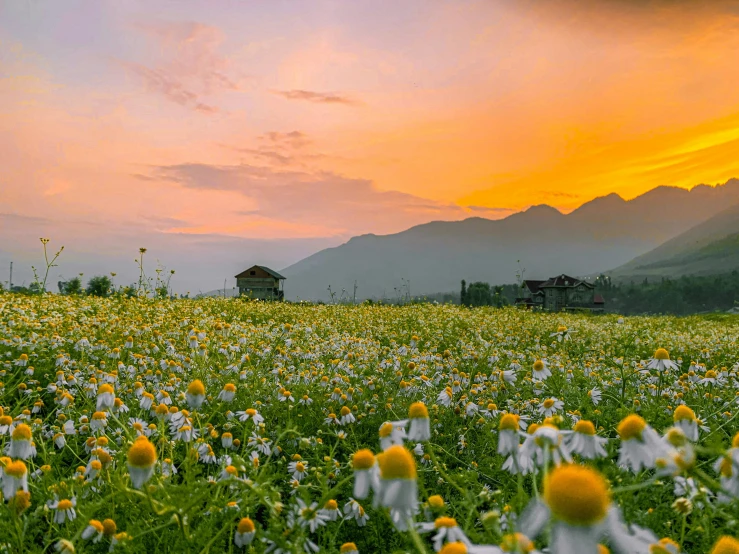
[(222, 133)]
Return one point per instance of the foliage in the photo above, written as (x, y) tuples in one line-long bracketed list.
[(681, 296), (73, 286), (99, 285), (482, 294), (58, 352)]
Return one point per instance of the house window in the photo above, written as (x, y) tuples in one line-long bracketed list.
[(252, 272)]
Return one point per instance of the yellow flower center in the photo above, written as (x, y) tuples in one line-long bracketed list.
[(726, 545), (436, 502), (246, 525), (16, 469), (300, 467), (386, 430), (106, 388), (331, 505), (603, 549), (454, 548), (676, 437), (661, 354), (710, 374), (509, 422), (196, 388), (64, 504), (682, 412), (345, 410), (661, 547), (99, 415), (538, 365), (735, 441), (363, 459), (577, 495), (348, 547), (445, 522), (548, 403), (585, 427), (109, 527), (397, 463), (229, 387), (94, 523), (516, 542), (561, 329), (22, 433), (631, 427), (142, 453), (418, 410)]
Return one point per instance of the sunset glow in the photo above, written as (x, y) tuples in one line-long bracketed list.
[(327, 119)]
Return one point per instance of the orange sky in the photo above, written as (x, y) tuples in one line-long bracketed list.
[(321, 119)]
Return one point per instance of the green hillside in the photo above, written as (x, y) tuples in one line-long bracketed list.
[(709, 248)]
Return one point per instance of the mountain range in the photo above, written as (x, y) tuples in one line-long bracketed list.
[(608, 232), (709, 248)]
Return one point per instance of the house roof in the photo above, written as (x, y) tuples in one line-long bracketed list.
[(532, 284), (272, 272), (564, 281), (598, 299)]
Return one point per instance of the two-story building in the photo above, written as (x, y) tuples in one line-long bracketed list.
[(560, 293), (261, 283)]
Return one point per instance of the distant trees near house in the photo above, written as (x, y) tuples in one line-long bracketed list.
[(680, 296), (100, 285), (483, 294)]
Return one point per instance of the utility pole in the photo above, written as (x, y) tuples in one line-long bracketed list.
[(10, 284)]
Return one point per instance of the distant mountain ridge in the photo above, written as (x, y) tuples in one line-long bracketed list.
[(709, 248), (601, 234)]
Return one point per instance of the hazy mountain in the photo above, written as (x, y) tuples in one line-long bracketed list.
[(434, 257), (709, 248)]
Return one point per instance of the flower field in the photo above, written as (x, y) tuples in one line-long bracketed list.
[(216, 425)]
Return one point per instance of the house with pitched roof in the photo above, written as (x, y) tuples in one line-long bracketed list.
[(560, 293), (261, 282)]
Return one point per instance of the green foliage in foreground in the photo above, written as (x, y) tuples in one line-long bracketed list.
[(376, 361)]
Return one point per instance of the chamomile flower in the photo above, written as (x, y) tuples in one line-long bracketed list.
[(331, 510), (577, 500), (250, 414), (550, 406), (398, 487), (195, 394), (348, 548), (365, 473), (661, 361), (245, 532), (228, 393), (640, 444), (685, 419), (584, 442), (392, 433), (540, 370), (94, 531), (141, 457), (105, 397), (64, 510), (21, 445), (297, 469), (508, 441), (310, 516), (420, 424), (347, 416), (15, 478)]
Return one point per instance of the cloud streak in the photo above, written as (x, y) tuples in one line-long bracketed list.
[(318, 97), (191, 70), (342, 204)]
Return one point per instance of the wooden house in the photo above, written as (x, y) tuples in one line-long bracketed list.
[(560, 293), (261, 282)]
